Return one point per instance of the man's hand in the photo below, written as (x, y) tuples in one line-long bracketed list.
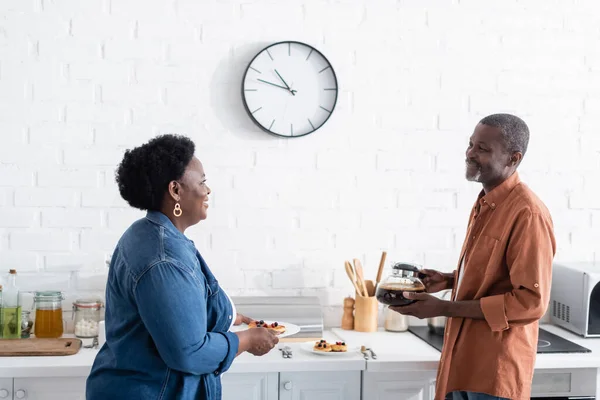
[(436, 281), (242, 319), (426, 306)]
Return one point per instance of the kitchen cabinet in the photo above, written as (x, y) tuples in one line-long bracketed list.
[(399, 385), (318, 385), (49, 388), (6, 388), (250, 386), (341, 385)]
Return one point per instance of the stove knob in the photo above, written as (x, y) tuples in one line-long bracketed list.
[(4, 394)]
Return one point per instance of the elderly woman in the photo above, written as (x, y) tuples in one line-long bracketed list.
[(167, 318)]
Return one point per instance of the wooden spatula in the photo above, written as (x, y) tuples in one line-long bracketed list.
[(350, 273), (360, 276)]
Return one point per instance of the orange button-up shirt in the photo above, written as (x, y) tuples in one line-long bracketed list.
[(508, 253)]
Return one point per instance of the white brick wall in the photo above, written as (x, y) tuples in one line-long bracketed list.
[(82, 81)]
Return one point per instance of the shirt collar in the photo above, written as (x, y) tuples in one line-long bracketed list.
[(161, 219), (500, 192)]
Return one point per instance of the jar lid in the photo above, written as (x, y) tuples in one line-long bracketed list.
[(88, 303), (48, 295)]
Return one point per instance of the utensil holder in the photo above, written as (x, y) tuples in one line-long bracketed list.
[(365, 310)]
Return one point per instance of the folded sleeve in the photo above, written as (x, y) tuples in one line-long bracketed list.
[(530, 251), (172, 306)]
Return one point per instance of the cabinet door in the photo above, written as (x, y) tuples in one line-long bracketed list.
[(50, 388), (343, 385), (250, 386), (398, 385), (6, 388)]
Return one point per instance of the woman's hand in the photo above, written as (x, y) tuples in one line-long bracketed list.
[(242, 319), (257, 341)]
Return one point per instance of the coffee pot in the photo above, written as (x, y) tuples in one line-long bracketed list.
[(405, 277)]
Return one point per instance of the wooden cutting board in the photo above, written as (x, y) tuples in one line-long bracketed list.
[(39, 347)]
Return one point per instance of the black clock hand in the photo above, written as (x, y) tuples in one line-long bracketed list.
[(273, 84), (293, 92)]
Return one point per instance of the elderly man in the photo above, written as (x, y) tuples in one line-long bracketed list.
[(502, 285)]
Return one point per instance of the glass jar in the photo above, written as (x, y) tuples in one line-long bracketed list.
[(87, 313), (394, 321), (26, 324), (404, 278), (48, 314)]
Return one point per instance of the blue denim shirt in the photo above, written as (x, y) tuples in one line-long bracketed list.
[(166, 320)]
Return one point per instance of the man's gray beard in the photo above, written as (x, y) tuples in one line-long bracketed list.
[(474, 178)]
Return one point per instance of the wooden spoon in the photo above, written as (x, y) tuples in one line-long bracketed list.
[(360, 276), (350, 274)]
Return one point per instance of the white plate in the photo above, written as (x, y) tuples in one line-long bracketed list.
[(308, 347), (290, 329)]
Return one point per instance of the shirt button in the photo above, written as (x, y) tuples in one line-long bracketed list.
[(230, 317), (536, 285), (216, 372)]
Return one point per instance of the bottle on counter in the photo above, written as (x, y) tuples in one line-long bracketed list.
[(10, 313)]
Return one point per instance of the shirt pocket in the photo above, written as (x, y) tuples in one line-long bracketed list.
[(481, 257)]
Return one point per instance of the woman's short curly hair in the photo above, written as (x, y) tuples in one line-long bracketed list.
[(144, 173)]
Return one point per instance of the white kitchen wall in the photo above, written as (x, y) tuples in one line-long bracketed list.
[(80, 81)]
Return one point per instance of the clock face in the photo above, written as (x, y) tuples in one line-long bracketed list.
[(290, 89)]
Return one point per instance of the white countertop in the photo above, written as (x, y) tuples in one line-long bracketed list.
[(80, 364), (405, 351), (395, 351)]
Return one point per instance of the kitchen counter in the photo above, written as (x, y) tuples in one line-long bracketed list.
[(80, 364), (395, 351), (405, 351)]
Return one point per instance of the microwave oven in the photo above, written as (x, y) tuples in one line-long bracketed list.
[(575, 297)]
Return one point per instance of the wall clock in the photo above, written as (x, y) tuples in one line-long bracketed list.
[(289, 89)]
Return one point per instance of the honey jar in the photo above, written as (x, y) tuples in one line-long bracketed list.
[(48, 314)]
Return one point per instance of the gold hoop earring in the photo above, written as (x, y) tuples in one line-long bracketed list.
[(177, 211)]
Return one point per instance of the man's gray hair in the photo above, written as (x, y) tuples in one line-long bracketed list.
[(514, 130)]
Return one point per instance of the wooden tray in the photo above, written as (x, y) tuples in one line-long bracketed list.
[(39, 347)]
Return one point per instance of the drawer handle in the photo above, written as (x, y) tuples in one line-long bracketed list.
[(20, 394), (287, 385), (4, 393)]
